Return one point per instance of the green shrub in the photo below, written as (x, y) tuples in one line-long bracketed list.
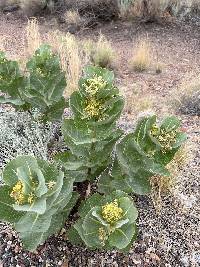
[(143, 154), (37, 197), (42, 89), (91, 134), (106, 222)]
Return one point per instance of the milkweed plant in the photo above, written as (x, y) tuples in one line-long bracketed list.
[(37, 196)]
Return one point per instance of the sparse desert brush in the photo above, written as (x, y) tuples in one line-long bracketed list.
[(32, 7), (186, 97), (101, 52), (33, 37), (88, 47), (73, 17), (141, 55), (151, 10)]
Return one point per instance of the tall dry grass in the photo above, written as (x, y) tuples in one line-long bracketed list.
[(70, 55), (141, 55), (33, 37)]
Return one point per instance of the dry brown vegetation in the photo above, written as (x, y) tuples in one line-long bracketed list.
[(141, 55), (101, 52), (73, 17), (166, 185), (186, 97)]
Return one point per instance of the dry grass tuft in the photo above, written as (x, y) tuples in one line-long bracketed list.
[(186, 97), (73, 17), (32, 36), (2, 44), (101, 53), (141, 55), (68, 50)]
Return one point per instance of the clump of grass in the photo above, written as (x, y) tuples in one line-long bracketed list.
[(2, 44), (104, 54), (186, 97), (4, 3), (141, 56), (101, 53), (33, 36), (125, 8), (73, 17)]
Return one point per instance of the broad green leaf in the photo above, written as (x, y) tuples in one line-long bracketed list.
[(108, 183), (10, 175), (140, 182), (114, 195), (80, 133), (91, 71), (74, 236), (170, 123), (78, 227), (129, 210), (12, 101), (141, 134), (38, 206), (121, 237), (180, 139), (91, 227), (91, 202)]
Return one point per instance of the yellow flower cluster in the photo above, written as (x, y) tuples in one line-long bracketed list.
[(93, 85), (93, 108), (18, 193), (166, 139), (111, 212)]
